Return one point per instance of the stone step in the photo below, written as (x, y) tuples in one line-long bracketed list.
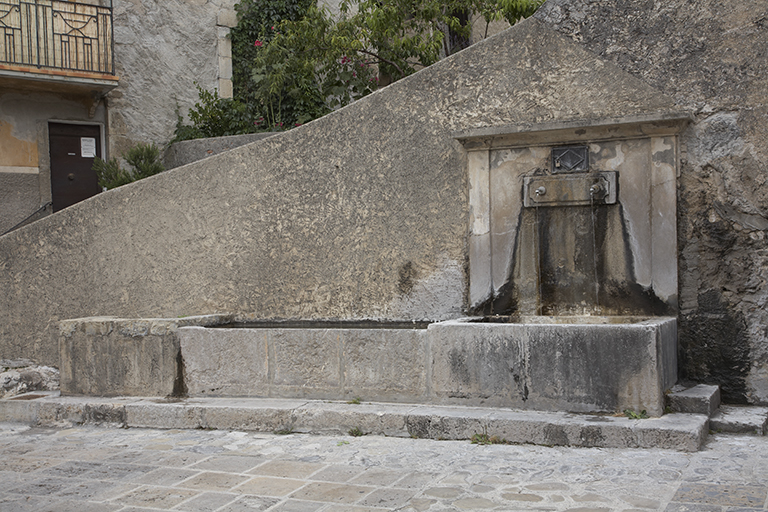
[(683, 432), (699, 399), (741, 420)]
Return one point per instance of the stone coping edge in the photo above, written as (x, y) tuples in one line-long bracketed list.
[(681, 432), (579, 130), (138, 326)]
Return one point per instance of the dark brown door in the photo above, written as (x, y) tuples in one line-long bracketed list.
[(73, 148)]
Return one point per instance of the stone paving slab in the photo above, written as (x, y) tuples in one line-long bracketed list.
[(91, 468), (685, 432)]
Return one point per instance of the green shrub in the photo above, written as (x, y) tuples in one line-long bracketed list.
[(143, 158), (213, 116), (110, 174), (294, 62)]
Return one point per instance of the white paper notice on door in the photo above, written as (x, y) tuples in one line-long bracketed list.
[(87, 147)]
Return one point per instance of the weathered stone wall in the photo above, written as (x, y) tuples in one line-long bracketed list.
[(105, 356), (360, 214), (161, 48), (188, 151), (712, 57)]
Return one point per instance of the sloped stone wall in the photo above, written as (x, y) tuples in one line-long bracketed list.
[(711, 56)]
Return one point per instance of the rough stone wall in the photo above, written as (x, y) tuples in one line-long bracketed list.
[(188, 151), (161, 48), (360, 214), (712, 57)]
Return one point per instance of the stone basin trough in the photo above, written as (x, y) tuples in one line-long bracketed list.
[(576, 364)]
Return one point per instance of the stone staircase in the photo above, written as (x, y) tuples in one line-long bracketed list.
[(695, 412), (704, 399)]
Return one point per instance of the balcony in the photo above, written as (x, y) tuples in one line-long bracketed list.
[(56, 44)]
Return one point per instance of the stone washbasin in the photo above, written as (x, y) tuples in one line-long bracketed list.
[(583, 364)]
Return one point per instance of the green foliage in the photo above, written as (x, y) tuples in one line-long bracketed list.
[(293, 62), (356, 432), (313, 65), (354, 401), (143, 158), (257, 22), (629, 413), (213, 116), (110, 174), (515, 10)]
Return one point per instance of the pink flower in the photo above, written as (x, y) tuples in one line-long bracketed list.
[(273, 28), (298, 124), (257, 43)]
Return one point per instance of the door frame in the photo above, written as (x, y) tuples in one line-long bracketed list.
[(45, 149)]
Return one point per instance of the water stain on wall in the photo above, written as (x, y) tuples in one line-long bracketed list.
[(16, 152)]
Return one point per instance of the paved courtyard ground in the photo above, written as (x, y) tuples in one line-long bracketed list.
[(99, 469)]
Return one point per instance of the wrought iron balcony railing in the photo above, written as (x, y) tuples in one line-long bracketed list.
[(55, 34)]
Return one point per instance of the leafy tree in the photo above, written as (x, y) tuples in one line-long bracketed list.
[(319, 63), (294, 62), (256, 26)]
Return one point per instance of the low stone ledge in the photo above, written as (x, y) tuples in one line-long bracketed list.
[(188, 151), (740, 420), (108, 356), (342, 363), (681, 432)]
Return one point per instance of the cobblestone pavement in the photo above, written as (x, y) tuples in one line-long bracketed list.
[(99, 469)]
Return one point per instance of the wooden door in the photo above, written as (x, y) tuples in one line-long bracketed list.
[(73, 148)]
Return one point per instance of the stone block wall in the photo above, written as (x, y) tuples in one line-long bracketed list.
[(106, 356), (188, 151)]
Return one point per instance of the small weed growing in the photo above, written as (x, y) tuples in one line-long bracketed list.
[(354, 401), (284, 431), (629, 413), (356, 432), (486, 439), (342, 443)]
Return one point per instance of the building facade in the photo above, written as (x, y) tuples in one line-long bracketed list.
[(80, 80)]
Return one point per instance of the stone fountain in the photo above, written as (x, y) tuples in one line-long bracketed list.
[(572, 277)]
